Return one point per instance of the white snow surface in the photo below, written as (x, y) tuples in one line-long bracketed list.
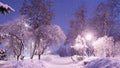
[(104, 63), (53, 61)]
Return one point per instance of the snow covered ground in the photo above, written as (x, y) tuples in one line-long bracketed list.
[(103, 63), (53, 61)]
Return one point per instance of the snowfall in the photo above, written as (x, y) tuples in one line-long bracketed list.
[(55, 61)]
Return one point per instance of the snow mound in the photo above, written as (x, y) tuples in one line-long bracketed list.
[(103, 63), (22, 64)]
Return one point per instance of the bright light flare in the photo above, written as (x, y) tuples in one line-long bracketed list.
[(26, 25), (89, 37), (76, 46)]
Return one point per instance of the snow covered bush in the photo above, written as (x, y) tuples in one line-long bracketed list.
[(117, 49), (80, 46), (104, 46)]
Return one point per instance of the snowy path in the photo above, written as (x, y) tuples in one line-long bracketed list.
[(51, 61), (49, 65), (46, 62), (58, 62)]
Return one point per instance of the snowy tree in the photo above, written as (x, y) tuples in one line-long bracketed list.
[(103, 19), (71, 33), (45, 36), (80, 46), (13, 33), (106, 17), (104, 47), (4, 8), (38, 11), (77, 26), (81, 20), (114, 7)]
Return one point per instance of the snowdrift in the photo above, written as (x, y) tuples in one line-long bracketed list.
[(103, 63)]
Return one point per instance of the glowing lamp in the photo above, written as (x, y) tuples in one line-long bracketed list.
[(88, 37), (26, 25)]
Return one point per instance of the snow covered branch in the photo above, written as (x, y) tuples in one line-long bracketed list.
[(4, 8)]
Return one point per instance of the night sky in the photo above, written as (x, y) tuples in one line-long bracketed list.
[(63, 9)]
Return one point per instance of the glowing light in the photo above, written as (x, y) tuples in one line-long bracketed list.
[(88, 37), (78, 43), (26, 25), (76, 46)]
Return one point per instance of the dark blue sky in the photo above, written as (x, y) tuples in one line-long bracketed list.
[(63, 9)]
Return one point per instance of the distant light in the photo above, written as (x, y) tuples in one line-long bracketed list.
[(77, 46), (26, 25), (88, 37)]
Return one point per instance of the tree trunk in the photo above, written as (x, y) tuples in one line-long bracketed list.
[(39, 56), (33, 52), (72, 59), (18, 57)]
